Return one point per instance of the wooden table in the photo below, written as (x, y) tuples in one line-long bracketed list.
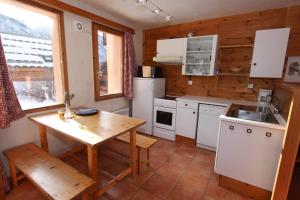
[(92, 131)]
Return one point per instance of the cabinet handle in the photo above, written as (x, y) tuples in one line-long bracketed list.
[(231, 127), (249, 130), (254, 64), (268, 134), (194, 112), (185, 104)]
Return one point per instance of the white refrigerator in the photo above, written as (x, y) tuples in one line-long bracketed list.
[(144, 92)]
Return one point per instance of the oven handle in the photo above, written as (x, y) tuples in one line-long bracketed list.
[(171, 110)]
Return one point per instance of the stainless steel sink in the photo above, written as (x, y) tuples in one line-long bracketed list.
[(252, 113)]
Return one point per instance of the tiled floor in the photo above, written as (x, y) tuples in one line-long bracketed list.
[(177, 172)]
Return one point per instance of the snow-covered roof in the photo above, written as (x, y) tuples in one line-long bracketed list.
[(21, 51)]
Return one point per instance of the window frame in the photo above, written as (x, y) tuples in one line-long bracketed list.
[(62, 44), (95, 28)]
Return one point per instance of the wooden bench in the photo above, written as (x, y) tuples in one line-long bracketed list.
[(142, 142), (50, 175)]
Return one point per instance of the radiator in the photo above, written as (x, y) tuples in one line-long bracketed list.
[(124, 111)]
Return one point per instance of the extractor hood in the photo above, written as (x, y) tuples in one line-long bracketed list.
[(168, 59)]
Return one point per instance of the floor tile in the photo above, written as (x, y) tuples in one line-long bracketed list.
[(123, 190), (159, 186), (179, 160), (184, 193), (170, 170), (205, 156), (199, 168), (141, 178), (216, 192), (144, 195), (197, 183)]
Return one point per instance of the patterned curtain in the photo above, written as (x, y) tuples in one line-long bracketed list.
[(10, 109), (129, 66)]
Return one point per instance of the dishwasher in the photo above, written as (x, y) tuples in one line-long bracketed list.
[(208, 125)]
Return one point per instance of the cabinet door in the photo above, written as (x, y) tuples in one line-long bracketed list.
[(170, 47), (269, 53), (248, 153), (200, 55), (186, 122)]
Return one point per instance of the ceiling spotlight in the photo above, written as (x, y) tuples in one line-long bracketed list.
[(157, 11), (168, 18), (141, 1)]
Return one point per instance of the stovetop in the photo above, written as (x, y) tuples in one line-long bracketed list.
[(173, 98)]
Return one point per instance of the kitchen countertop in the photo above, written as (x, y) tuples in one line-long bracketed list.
[(228, 102)]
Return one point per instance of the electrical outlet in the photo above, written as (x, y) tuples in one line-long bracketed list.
[(190, 82), (250, 86)]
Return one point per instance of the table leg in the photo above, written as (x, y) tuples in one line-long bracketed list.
[(13, 172), (92, 163), (133, 150), (139, 160), (148, 157), (43, 137)]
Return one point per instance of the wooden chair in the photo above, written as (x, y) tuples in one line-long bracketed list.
[(54, 178), (142, 142)]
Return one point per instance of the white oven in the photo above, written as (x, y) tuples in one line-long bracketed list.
[(164, 117)]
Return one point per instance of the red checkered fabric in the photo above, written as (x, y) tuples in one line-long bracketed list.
[(10, 109), (3, 177)]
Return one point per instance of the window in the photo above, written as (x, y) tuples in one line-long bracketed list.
[(108, 62), (33, 46)]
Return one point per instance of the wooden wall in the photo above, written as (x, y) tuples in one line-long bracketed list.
[(233, 30)]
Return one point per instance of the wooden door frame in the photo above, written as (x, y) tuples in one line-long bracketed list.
[(290, 146)]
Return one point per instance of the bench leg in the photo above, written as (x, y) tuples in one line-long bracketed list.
[(13, 172), (43, 138), (148, 157), (85, 196), (133, 150), (139, 160)]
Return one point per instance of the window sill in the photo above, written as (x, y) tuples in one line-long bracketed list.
[(46, 108), (107, 97)]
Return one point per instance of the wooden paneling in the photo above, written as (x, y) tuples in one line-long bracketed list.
[(244, 188), (290, 146), (233, 30)]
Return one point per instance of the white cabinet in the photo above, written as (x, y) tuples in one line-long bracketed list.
[(248, 153), (269, 53), (186, 119), (170, 50), (200, 56)]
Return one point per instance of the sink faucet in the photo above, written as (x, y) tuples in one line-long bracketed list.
[(276, 105)]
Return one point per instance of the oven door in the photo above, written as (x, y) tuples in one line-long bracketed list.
[(164, 118)]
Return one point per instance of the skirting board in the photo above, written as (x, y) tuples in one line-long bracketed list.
[(244, 188), (185, 140)]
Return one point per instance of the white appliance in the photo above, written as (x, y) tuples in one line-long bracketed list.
[(208, 125), (144, 92), (164, 118)]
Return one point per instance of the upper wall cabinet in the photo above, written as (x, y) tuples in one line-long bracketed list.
[(170, 51), (269, 53), (200, 56)]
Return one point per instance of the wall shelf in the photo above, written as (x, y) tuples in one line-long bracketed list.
[(236, 46), (233, 74)]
